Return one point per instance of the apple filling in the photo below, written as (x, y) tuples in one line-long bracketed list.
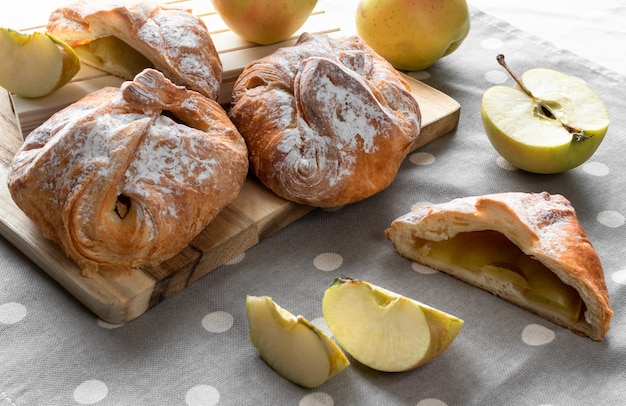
[(500, 264), (115, 54)]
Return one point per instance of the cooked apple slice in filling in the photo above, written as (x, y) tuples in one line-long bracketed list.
[(113, 55), (497, 262)]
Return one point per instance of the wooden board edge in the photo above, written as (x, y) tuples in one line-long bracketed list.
[(434, 123), (108, 298)]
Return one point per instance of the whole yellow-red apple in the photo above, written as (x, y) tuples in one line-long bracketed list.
[(413, 34), (264, 21)]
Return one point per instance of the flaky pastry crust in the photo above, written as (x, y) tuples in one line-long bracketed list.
[(545, 227), (327, 121), (174, 40), (121, 185)]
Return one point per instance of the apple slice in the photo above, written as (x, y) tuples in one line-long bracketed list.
[(549, 123), (36, 64), (384, 330), (548, 291), (292, 346), (113, 55)]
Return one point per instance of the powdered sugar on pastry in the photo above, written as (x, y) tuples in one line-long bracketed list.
[(174, 40), (327, 121), (118, 184)]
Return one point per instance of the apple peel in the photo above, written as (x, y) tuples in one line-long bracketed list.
[(264, 22)]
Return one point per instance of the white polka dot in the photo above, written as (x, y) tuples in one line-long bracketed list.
[(11, 313), (610, 218), (217, 322), (421, 75), (496, 77), (328, 261), (506, 165), (619, 277), (596, 169), (422, 158), (535, 335), (317, 399), (491, 43), (236, 259), (202, 395), (109, 326), (90, 392), (431, 402), (422, 269)]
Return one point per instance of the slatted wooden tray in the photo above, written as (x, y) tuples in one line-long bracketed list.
[(254, 215)]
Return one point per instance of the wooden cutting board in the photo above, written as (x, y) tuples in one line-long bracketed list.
[(254, 215)]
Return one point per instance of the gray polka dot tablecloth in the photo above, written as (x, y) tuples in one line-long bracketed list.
[(193, 348)]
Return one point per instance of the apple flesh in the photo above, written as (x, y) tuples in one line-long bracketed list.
[(292, 346), (498, 262), (36, 64), (412, 35), (384, 330), (264, 21), (113, 55), (555, 127)]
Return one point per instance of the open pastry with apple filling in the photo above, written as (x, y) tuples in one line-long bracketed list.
[(527, 248), (125, 38), (125, 178), (327, 121)]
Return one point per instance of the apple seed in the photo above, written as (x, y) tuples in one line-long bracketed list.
[(542, 107)]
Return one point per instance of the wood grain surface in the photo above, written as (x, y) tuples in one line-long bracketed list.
[(254, 215)]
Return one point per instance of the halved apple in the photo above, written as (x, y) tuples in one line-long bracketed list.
[(549, 123), (384, 330), (292, 346), (35, 64)]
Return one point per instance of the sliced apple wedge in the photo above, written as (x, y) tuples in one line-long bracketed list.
[(35, 64), (384, 330), (292, 346)]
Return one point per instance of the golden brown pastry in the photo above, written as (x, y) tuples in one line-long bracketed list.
[(527, 248), (327, 121), (118, 183), (173, 40)]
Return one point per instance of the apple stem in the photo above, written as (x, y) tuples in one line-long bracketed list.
[(501, 61), (577, 134)]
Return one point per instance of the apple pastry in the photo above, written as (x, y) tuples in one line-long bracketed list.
[(327, 121), (527, 248), (125, 38), (125, 178)]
